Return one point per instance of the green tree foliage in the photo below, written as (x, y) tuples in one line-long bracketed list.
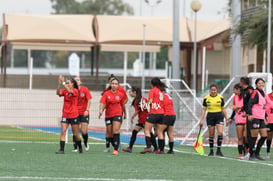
[(253, 27), (109, 7)]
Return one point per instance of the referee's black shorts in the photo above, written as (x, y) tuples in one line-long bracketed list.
[(215, 118)]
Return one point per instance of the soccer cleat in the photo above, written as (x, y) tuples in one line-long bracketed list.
[(75, 150), (146, 150), (60, 152), (107, 150), (240, 156), (219, 153), (155, 151), (211, 153), (246, 157), (160, 152), (129, 150), (86, 147), (267, 155), (252, 158), (258, 157), (115, 152), (170, 152)]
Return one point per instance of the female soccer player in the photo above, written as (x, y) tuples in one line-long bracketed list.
[(214, 104), (240, 118), (113, 101), (70, 111), (269, 111), (257, 115), (167, 124), (139, 104), (156, 114), (84, 102), (120, 89)]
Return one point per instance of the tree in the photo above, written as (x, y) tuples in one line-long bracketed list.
[(109, 7), (253, 27)]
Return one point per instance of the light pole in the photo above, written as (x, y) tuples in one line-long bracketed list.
[(195, 6), (269, 36), (153, 4)]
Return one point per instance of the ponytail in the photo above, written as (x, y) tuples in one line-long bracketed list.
[(138, 97), (156, 82)]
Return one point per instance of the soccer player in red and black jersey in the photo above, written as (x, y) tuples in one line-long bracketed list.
[(167, 124), (108, 138), (113, 101), (156, 114), (139, 104), (84, 102), (70, 111)]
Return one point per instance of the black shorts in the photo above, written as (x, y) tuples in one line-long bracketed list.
[(240, 124), (140, 125), (257, 124), (269, 127), (84, 119), (155, 118), (71, 121), (215, 118), (169, 120), (109, 121)]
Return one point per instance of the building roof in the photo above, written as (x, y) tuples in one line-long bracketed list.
[(76, 31)]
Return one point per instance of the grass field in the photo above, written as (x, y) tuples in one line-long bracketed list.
[(38, 161)]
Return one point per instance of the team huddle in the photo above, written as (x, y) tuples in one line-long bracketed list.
[(155, 112), (252, 111)]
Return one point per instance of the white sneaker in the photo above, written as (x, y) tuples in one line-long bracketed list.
[(75, 150), (106, 150), (86, 147), (246, 157), (267, 155)]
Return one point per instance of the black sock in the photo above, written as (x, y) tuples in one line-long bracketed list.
[(85, 138), (116, 141), (211, 140), (219, 142), (240, 149), (268, 145), (148, 142), (153, 141), (161, 144), (259, 145), (62, 143), (74, 142), (112, 141), (107, 142), (133, 138), (171, 146), (79, 143), (252, 146)]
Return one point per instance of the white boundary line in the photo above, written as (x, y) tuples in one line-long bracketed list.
[(228, 158), (66, 178), (186, 152)]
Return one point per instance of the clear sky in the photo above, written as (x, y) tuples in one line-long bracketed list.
[(211, 9)]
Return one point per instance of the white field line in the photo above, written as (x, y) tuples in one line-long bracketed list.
[(228, 158), (142, 146), (66, 178)]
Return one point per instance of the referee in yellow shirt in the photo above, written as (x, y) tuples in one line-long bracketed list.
[(214, 104)]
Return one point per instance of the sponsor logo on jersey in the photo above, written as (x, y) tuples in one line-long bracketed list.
[(117, 98), (82, 94)]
